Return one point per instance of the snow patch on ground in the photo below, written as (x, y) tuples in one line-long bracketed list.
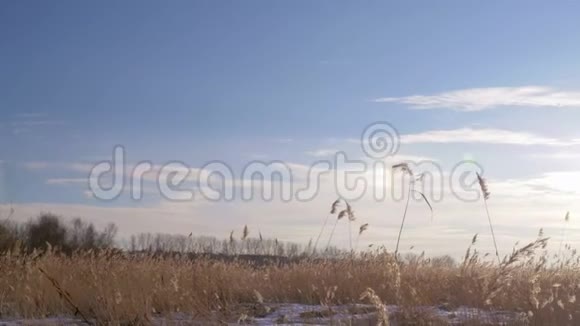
[(300, 314)]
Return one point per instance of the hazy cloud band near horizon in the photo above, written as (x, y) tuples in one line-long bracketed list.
[(478, 99)]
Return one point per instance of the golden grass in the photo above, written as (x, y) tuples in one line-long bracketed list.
[(116, 287)]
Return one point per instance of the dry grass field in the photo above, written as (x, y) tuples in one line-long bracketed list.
[(162, 279), (113, 287)]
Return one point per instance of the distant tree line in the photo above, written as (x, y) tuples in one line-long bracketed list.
[(69, 236), (73, 235), (49, 229)]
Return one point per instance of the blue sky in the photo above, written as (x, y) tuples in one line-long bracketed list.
[(497, 82)]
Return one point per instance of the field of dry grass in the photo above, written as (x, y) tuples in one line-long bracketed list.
[(233, 281), (116, 287)]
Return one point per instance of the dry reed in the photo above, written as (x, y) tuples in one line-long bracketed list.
[(116, 287)]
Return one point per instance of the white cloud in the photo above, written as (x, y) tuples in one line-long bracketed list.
[(37, 165), (557, 156), (324, 152), (477, 99), (488, 136), (519, 206), (65, 181), (35, 123), (450, 231), (561, 185), (27, 122), (151, 175), (43, 165)]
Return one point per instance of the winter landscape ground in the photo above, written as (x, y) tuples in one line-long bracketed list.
[(113, 286)]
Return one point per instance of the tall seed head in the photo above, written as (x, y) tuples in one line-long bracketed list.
[(403, 167), (483, 186), (245, 232), (363, 228), (350, 213), (334, 206)]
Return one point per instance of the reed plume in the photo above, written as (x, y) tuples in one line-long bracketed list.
[(361, 229), (245, 233)]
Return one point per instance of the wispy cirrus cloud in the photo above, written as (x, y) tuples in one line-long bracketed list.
[(323, 152), (477, 99), (556, 155), (44, 165), (35, 123), (27, 122), (66, 181), (486, 136), (558, 183)]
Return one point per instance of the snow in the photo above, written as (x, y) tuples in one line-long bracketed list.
[(300, 314)]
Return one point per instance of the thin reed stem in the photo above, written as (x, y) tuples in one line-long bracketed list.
[(331, 234), (492, 233), (65, 296), (321, 231), (356, 243), (404, 216), (561, 240), (563, 235), (350, 233)]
